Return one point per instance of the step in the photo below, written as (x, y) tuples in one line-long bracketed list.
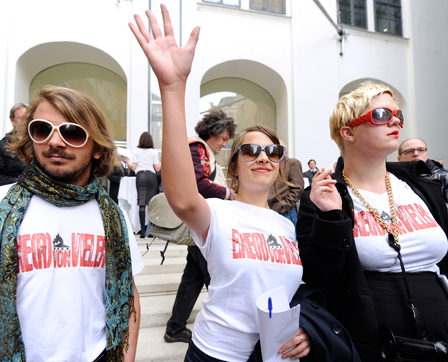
[(157, 283), (156, 309), (153, 251), (152, 347), (170, 265)]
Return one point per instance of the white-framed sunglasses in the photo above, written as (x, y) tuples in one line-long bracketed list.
[(41, 130)]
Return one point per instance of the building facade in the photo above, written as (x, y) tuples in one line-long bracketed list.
[(273, 62)]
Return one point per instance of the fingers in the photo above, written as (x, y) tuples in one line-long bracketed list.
[(322, 174), (137, 32), (167, 25), (297, 347), (142, 28), (193, 40), (155, 29)]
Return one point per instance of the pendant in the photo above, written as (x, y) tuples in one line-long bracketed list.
[(393, 245)]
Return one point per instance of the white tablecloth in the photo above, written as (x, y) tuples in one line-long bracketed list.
[(127, 200)]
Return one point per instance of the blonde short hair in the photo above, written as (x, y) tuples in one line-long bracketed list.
[(78, 108), (351, 106)]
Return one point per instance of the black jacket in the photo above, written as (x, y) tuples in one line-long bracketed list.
[(10, 166), (330, 259), (309, 175), (439, 173)]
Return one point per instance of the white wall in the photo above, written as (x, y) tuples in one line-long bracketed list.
[(295, 57)]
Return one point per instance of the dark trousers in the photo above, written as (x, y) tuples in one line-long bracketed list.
[(194, 354), (194, 277)]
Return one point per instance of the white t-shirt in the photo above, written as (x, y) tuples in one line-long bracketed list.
[(423, 242), (146, 158), (249, 251), (61, 279)]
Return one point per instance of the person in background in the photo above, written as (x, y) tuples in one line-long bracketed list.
[(226, 328), (10, 166), (354, 225), (415, 149), (145, 163), (312, 171), (289, 195), (214, 130), (68, 255), (120, 169)]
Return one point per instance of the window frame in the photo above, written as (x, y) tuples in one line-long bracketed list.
[(268, 9), (352, 16), (389, 6), (221, 3)]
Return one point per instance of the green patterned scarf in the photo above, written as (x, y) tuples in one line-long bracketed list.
[(119, 283)]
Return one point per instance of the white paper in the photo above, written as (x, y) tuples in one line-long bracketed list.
[(282, 327), (124, 152)]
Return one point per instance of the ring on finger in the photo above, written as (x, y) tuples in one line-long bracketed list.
[(301, 339)]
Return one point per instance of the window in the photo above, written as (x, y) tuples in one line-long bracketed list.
[(235, 3), (106, 88), (246, 102), (388, 17), (353, 13), (270, 6)]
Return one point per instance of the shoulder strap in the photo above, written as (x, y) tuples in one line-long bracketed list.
[(213, 175)]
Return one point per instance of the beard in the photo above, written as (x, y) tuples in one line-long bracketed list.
[(69, 176)]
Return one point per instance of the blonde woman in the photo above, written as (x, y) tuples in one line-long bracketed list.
[(355, 225)]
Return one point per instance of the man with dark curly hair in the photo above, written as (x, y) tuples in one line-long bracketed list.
[(214, 130), (68, 257)]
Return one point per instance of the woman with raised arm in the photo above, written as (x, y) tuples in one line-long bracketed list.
[(356, 226), (232, 235)]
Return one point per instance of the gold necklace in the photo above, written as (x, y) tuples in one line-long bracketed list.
[(393, 234)]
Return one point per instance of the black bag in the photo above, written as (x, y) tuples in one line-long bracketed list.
[(402, 349)]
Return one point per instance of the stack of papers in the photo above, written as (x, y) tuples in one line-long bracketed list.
[(277, 326)]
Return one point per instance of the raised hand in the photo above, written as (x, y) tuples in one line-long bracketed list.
[(323, 192), (170, 63)]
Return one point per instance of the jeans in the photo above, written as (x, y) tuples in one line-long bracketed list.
[(193, 279), (291, 215)]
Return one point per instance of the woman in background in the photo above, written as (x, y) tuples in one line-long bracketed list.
[(145, 164)]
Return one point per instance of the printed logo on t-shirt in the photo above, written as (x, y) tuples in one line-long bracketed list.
[(411, 218), (40, 251), (256, 246)]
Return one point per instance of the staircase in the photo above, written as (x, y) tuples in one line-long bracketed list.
[(157, 285)]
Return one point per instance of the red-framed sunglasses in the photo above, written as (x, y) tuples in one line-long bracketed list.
[(378, 116)]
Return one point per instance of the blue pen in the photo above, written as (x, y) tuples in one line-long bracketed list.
[(270, 307)]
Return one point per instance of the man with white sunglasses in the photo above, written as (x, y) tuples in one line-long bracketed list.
[(68, 254), (415, 149)]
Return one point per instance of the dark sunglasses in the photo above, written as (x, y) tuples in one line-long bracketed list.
[(40, 131), (378, 116), (250, 152)]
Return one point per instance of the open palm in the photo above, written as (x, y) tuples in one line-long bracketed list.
[(170, 63)]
